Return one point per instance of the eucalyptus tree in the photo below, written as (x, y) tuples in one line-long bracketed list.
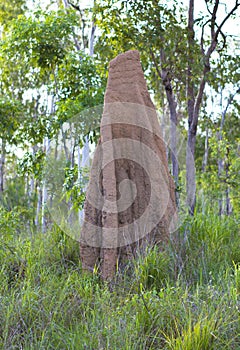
[(221, 155), (10, 9), (51, 79), (167, 37), (214, 40), (154, 29), (10, 119), (10, 108)]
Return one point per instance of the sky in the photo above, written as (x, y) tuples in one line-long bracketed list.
[(231, 27)]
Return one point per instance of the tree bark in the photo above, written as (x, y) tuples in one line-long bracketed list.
[(64, 140), (195, 99), (2, 164), (166, 80), (221, 161), (46, 146), (228, 202), (191, 139), (39, 203), (206, 151), (66, 5), (191, 172), (91, 40)]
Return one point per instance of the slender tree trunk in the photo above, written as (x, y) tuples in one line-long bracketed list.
[(27, 181), (56, 147), (2, 164), (82, 163), (191, 172), (193, 106), (206, 151), (191, 139), (27, 187), (173, 136), (220, 160), (166, 80), (31, 189), (220, 171), (64, 140), (38, 191), (77, 44), (84, 160), (80, 212), (173, 122), (195, 99), (228, 203), (46, 147), (31, 180), (91, 40), (85, 154)]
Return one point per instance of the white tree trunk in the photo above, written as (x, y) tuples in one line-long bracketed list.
[(220, 160), (166, 80), (91, 39), (46, 146), (2, 164), (191, 172), (83, 162), (39, 204), (206, 150)]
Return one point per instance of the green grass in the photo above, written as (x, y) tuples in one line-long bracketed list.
[(185, 298)]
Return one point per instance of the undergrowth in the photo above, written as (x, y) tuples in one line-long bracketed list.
[(184, 298)]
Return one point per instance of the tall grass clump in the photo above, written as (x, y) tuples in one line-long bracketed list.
[(186, 296), (207, 246)]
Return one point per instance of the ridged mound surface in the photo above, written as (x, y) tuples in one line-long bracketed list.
[(130, 198)]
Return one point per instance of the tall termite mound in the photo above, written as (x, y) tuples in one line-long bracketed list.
[(130, 200)]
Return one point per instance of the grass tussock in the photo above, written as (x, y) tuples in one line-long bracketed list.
[(185, 298)]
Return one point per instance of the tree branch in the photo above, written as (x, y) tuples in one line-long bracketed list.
[(224, 41), (213, 19), (237, 4), (207, 61), (190, 85), (155, 64), (76, 7), (202, 37), (66, 4), (230, 99)]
